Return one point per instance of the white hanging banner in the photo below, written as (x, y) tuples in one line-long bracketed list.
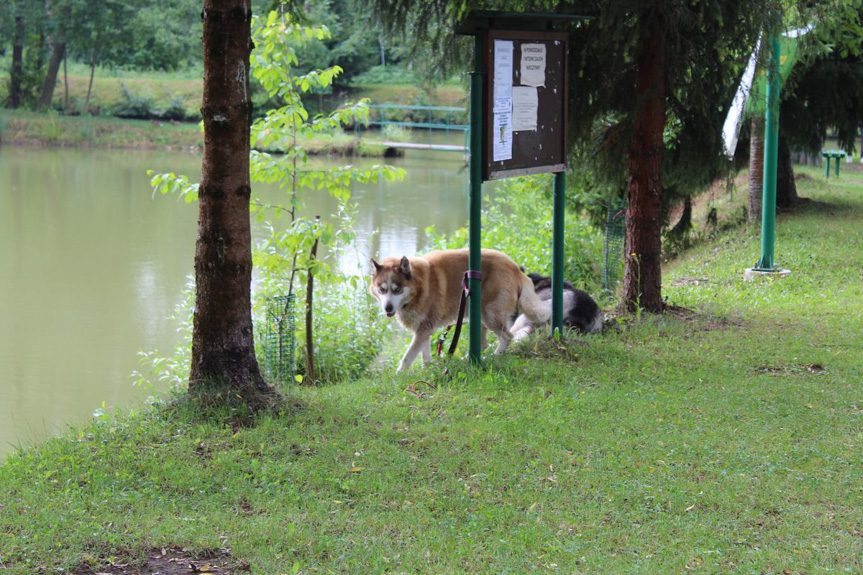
[(731, 127)]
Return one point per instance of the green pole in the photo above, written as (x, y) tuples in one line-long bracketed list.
[(771, 148), (557, 254), (475, 210)]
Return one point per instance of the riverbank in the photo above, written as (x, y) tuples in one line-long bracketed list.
[(56, 130), (725, 436)]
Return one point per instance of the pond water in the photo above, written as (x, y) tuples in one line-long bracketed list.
[(92, 267)]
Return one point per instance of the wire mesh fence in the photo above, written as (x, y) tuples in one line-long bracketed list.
[(615, 236), (279, 340)]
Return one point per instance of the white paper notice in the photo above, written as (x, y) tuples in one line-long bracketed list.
[(502, 135), (503, 75), (533, 64), (525, 103)]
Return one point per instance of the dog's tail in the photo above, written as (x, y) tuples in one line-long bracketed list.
[(537, 311)]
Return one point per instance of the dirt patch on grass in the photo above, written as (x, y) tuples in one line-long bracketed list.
[(172, 561), (700, 321)]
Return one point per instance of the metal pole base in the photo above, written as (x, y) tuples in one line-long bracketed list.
[(752, 273)]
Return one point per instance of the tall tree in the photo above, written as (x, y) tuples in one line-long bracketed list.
[(824, 90), (17, 69), (223, 352), (680, 58), (642, 280), (58, 52), (23, 24)]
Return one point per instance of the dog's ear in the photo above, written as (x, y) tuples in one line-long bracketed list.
[(376, 265), (405, 267)]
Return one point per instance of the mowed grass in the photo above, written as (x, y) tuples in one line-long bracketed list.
[(723, 438)]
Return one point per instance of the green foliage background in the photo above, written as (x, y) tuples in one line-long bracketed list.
[(518, 222)]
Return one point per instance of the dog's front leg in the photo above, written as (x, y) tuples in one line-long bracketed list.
[(419, 344)]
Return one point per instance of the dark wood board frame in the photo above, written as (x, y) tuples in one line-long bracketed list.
[(533, 152)]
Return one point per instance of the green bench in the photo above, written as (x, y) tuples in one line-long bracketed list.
[(828, 155)]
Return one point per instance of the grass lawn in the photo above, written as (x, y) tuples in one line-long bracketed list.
[(726, 437)]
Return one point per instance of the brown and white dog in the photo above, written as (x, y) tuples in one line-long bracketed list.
[(424, 292)]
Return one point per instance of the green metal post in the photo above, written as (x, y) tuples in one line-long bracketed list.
[(557, 254), (475, 211), (826, 165), (771, 148)]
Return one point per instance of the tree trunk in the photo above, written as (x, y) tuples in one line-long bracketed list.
[(756, 168), (65, 85), (47, 94), (786, 187), (642, 280), (311, 376), (92, 73), (17, 70), (223, 352)]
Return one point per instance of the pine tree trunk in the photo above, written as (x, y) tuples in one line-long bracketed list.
[(223, 352), (756, 168), (16, 72), (642, 280), (47, 94), (786, 187)]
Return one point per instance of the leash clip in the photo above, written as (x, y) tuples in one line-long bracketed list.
[(470, 275)]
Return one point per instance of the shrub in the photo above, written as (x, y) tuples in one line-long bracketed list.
[(518, 222), (349, 335), (139, 106)]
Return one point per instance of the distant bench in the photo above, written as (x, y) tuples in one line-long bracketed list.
[(838, 155)]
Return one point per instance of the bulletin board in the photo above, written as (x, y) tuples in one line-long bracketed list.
[(525, 103)]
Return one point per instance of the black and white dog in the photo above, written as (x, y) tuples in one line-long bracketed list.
[(580, 312)]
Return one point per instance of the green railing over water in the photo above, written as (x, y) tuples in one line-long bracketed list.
[(433, 117)]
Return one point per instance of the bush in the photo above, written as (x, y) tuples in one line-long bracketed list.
[(349, 335), (518, 222), (395, 133), (134, 105), (172, 110)]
